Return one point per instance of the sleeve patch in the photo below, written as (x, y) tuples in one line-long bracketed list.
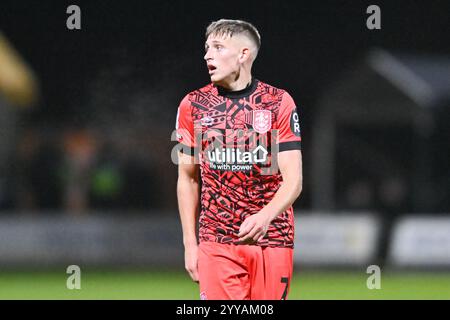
[(295, 123)]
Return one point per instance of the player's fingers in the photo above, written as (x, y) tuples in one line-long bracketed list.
[(261, 234), (193, 273), (249, 236), (261, 237), (242, 229), (257, 236), (245, 228)]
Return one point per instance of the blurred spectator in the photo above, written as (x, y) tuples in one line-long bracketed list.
[(80, 152), (107, 181)]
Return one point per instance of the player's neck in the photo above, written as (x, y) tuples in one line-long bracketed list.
[(242, 82)]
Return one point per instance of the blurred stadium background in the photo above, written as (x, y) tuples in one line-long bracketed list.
[(86, 119)]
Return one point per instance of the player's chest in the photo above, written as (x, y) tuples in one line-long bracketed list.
[(243, 114)]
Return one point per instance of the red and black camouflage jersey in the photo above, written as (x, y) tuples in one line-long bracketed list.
[(233, 135)]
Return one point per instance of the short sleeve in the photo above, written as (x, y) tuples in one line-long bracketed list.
[(289, 133), (185, 125)]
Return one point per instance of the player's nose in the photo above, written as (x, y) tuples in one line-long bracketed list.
[(207, 55)]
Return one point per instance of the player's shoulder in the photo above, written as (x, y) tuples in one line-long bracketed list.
[(198, 98), (274, 91), (203, 91), (268, 86)]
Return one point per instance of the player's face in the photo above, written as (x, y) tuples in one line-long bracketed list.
[(222, 58)]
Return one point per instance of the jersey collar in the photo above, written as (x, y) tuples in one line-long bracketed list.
[(240, 93)]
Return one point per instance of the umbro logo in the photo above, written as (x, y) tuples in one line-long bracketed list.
[(206, 121)]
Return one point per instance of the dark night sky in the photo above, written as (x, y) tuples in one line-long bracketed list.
[(305, 44)]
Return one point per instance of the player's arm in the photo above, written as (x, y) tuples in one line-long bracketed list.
[(188, 189), (255, 227), (290, 164)]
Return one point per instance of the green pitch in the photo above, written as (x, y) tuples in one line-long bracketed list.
[(176, 285)]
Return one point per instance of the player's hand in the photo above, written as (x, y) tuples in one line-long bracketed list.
[(191, 261), (253, 228)]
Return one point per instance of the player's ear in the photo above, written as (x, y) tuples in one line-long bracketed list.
[(244, 55)]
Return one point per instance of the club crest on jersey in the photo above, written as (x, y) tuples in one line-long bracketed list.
[(262, 120)]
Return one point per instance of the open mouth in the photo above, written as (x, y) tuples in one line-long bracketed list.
[(211, 68)]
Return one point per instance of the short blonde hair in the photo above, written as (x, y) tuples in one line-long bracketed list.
[(231, 27)]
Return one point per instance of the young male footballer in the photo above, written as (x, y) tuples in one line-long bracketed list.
[(240, 170)]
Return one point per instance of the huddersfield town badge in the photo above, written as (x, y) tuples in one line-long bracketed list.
[(262, 120)]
